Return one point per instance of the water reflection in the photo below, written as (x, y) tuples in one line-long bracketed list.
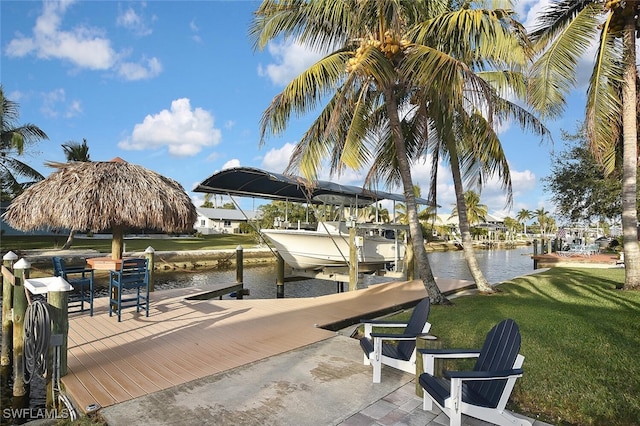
[(497, 266)]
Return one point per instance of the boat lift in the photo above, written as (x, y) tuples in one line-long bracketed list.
[(257, 183)]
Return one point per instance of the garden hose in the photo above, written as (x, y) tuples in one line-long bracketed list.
[(37, 333)]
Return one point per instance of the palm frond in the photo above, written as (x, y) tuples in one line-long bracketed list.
[(604, 100), (564, 43)]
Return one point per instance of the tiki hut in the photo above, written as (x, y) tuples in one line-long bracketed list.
[(96, 196)]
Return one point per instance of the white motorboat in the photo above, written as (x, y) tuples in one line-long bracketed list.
[(329, 245)]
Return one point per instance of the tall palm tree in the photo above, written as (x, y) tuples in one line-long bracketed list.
[(464, 122), (566, 30), (384, 81), (523, 216), (360, 77), (13, 140)]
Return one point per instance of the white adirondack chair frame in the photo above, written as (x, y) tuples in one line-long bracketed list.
[(376, 358), (455, 407)]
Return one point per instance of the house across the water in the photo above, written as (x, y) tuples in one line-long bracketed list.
[(222, 221)]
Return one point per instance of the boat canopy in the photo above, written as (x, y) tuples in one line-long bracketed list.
[(253, 182)]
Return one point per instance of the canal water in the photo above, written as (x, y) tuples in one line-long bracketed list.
[(497, 266)]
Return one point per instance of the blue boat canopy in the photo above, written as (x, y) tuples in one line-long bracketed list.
[(252, 182)]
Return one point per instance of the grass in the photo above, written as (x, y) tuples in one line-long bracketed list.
[(580, 339), (103, 245)]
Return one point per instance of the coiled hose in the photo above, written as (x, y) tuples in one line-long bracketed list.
[(37, 334)]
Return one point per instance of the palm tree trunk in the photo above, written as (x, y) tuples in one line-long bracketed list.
[(415, 230), (630, 157), (467, 241), (67, 244)]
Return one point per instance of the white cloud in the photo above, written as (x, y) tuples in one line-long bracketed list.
[(276, 159), (55, 105), (83, 46), (233, 163), (183, 130), (133, 21), (143, 70), (290, 60)]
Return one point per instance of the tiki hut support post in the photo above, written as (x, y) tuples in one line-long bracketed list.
[(149, 253), (117, 243)]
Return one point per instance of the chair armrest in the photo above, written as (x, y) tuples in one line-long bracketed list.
[(392, 336), (370, 324), (77, 270), (450, 353), (483, 375), (383, 323)]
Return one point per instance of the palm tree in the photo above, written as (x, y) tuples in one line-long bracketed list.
[(476, 212), (13, 140), (73, 151), (523, 216), (463, 123), (361, 76), (377, 213), (511, 224), (385, 64), (567, 29), (543, 220)]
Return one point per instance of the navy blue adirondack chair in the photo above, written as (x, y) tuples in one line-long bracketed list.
[(129, 287), (483, 392), (377, 349), (81, 279)]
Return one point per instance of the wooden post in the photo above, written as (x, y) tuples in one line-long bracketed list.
[(58, 310), (21, 269), (353, 259), (535, 247), (8, 282), (280, 278), (239, 270), (426, 341), (149, 253)]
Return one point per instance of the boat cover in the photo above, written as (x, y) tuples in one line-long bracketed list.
[(253, 182)]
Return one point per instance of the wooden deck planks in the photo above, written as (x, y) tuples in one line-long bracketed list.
[(182, 340)]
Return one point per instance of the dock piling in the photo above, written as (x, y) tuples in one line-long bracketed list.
[(280, 278), (239, 270), (21, 271)]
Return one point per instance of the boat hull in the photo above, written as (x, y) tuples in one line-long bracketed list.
[(303, 249)]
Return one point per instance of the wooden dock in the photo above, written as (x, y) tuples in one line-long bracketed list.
[(110, 362)]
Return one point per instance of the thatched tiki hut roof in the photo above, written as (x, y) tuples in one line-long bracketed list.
[(103, 196)]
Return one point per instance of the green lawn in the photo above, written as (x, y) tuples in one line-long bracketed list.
[(580, 339), (103, 245)]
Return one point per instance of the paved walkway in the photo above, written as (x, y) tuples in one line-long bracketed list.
[(324, 383)]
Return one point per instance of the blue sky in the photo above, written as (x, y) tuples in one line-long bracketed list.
[(176, 87)]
